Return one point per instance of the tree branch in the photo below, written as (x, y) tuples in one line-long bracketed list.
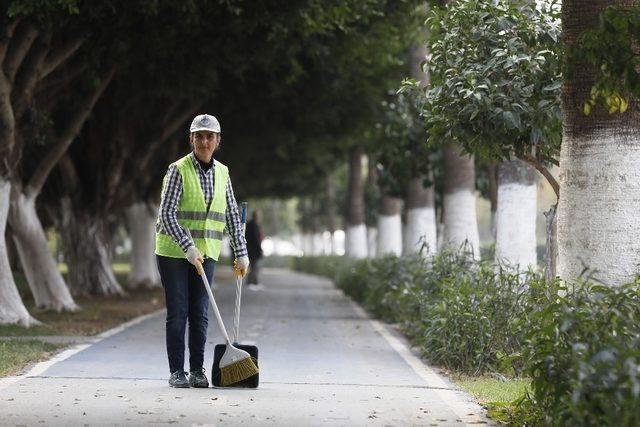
[(543, 170), (69, 173), (7, 126), (60, 55), (139, 174), (6, 37), (29, 78), (62, 77), (167, 130), (19, 49), (73, 128)]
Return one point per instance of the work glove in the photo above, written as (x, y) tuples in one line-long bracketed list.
[(193, 254), (241, 265)]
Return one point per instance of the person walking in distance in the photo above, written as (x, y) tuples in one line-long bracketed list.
[(197, 203), (254, 247)]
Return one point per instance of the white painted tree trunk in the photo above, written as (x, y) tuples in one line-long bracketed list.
[(356, 231), (389, 240), (140, 221), (598, 221), (40, 268), (460, 221), (459, 202), (317, 243), (372, 242), (327, 241), (389, 235), (421, 228), (421, 219), (336, 247), (87, 254), (307, 243), (356, 241), (516, 215), (12, 309), (599, 210)]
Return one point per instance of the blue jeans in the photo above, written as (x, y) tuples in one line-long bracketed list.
[(186, 300)]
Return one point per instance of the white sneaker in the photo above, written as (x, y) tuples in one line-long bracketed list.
[(256, 286)]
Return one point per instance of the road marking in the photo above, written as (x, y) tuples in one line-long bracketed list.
[(469, 412)]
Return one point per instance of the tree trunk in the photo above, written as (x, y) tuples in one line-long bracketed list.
[(551, 255), (598, 225), (421, 219), (332, 219), (12, 309), (12, 252), (516, 215), (274, 210), (140, 221), (493, 194), (317, 244), (40, 268), (356, 235), (459, 202), (87, 253), (372, 242), (389, 226)]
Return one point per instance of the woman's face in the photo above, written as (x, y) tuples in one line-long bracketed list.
[(204, 144)]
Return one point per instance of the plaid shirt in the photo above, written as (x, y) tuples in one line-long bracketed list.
[(171, 198)]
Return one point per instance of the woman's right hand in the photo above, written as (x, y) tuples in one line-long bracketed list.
[(193, 254)]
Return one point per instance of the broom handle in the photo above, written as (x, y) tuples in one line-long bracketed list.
[(205, 282), (236, 317)]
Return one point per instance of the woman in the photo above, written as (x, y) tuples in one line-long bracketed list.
[(197, 202)]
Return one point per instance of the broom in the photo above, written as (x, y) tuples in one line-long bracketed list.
[(236, 365)]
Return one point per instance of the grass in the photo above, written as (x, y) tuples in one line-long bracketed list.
[(497, 396), (15, 355), (493, 390)]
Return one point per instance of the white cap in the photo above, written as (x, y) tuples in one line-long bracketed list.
[(205, 122)]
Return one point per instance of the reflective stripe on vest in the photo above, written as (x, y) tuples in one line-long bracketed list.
[(196, 234), (201, 216), (205, 226)]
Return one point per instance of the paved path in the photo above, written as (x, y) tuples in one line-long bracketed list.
[(323, 362)]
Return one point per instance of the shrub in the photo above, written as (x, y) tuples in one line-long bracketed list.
[(583, 356)]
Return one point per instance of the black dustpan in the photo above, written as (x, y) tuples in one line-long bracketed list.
[(251, 382)]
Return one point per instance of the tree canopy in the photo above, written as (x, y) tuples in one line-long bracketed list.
[(495, 79)]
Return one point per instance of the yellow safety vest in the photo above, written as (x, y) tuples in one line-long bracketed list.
[(206, 226)]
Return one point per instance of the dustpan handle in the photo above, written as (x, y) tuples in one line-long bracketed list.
[(236, 316)]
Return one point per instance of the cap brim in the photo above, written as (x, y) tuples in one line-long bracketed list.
[(209, 129)]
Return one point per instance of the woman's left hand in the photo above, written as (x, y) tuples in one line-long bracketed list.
[(241, 265)]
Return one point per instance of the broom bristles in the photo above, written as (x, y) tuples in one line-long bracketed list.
[(237, 371)]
